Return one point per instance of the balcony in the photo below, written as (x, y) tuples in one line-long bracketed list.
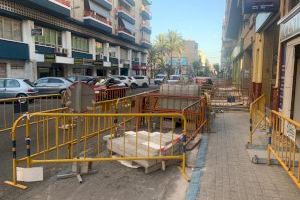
[(61, 8), (146, 43), (145, 13), (125, 14), (96, 21), (126, 35), (129, 3), (107, 4), (145, 27), (147, 2)]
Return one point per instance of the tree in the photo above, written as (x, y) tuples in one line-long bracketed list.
[(174, 46), (167, 45)]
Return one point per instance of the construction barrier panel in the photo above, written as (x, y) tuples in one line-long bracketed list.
[(196, 116), (229, 98), (284, 144), (195, 109), (257, 116), (148, 139), (109, 94), (12, 108)]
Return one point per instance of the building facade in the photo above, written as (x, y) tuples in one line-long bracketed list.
[(74, 37), (266, 50)]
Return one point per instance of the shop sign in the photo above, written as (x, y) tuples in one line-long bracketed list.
[(290, 131), (290, 28), (258, 6), (37, 31), (49, 58), (88, 61), (78, 61), (98, 62)]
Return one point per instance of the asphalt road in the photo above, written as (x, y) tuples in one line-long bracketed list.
[(6, 118)]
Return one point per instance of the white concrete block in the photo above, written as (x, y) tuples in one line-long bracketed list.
[(32, 174)]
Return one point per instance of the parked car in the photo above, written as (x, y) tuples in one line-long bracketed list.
[(85, 79), (108, 83), (174, 79), (16, 87), (128, 81), (141, 81), (160, 79), (52, 85)]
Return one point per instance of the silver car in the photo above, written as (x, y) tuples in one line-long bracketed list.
[(52, 85), (16, 87)]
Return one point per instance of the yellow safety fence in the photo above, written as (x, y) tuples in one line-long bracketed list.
[(145, 138), (284, 144), (12, 108), (257, 116)]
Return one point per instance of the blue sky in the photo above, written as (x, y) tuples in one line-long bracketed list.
[(199, 20)]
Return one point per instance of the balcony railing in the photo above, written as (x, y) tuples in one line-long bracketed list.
[(122, 9), (89, 13), (126, 31), (147, 2), (146, 13), (64, 2), (145, 26)]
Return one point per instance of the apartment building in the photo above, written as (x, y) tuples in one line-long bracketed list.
[(73, 37), (183, 62), (266, 50)]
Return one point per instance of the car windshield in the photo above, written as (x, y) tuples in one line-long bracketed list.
[(160, 76), (28, 82)]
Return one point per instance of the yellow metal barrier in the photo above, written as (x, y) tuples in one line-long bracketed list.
[(284, 144), (257, 116), (12, 108), (144, 138)]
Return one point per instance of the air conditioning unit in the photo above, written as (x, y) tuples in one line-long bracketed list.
[(65, 51), (101, 56), (58, 50)]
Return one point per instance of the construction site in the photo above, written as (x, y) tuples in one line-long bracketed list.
[(180, 141)]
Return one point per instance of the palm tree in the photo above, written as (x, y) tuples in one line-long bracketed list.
[(174, 46), (161, 49)]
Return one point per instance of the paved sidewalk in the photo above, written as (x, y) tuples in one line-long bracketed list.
[(228, 172)]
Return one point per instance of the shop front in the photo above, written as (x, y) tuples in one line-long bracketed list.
[(289, 66)]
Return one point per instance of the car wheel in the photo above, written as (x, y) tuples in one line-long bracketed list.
[(133, 86), (145, 85), (62, 92), (22, 98)]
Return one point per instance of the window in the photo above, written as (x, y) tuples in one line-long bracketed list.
[(2, 83), (49, 38), (10, 29), (54, 80), (139, 77), (80, 44), (42, 81), (99, 48), (11, 83)]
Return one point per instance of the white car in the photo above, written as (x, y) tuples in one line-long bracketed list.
[(160, 79), (174, 79), (128, 81), (141, 81)]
